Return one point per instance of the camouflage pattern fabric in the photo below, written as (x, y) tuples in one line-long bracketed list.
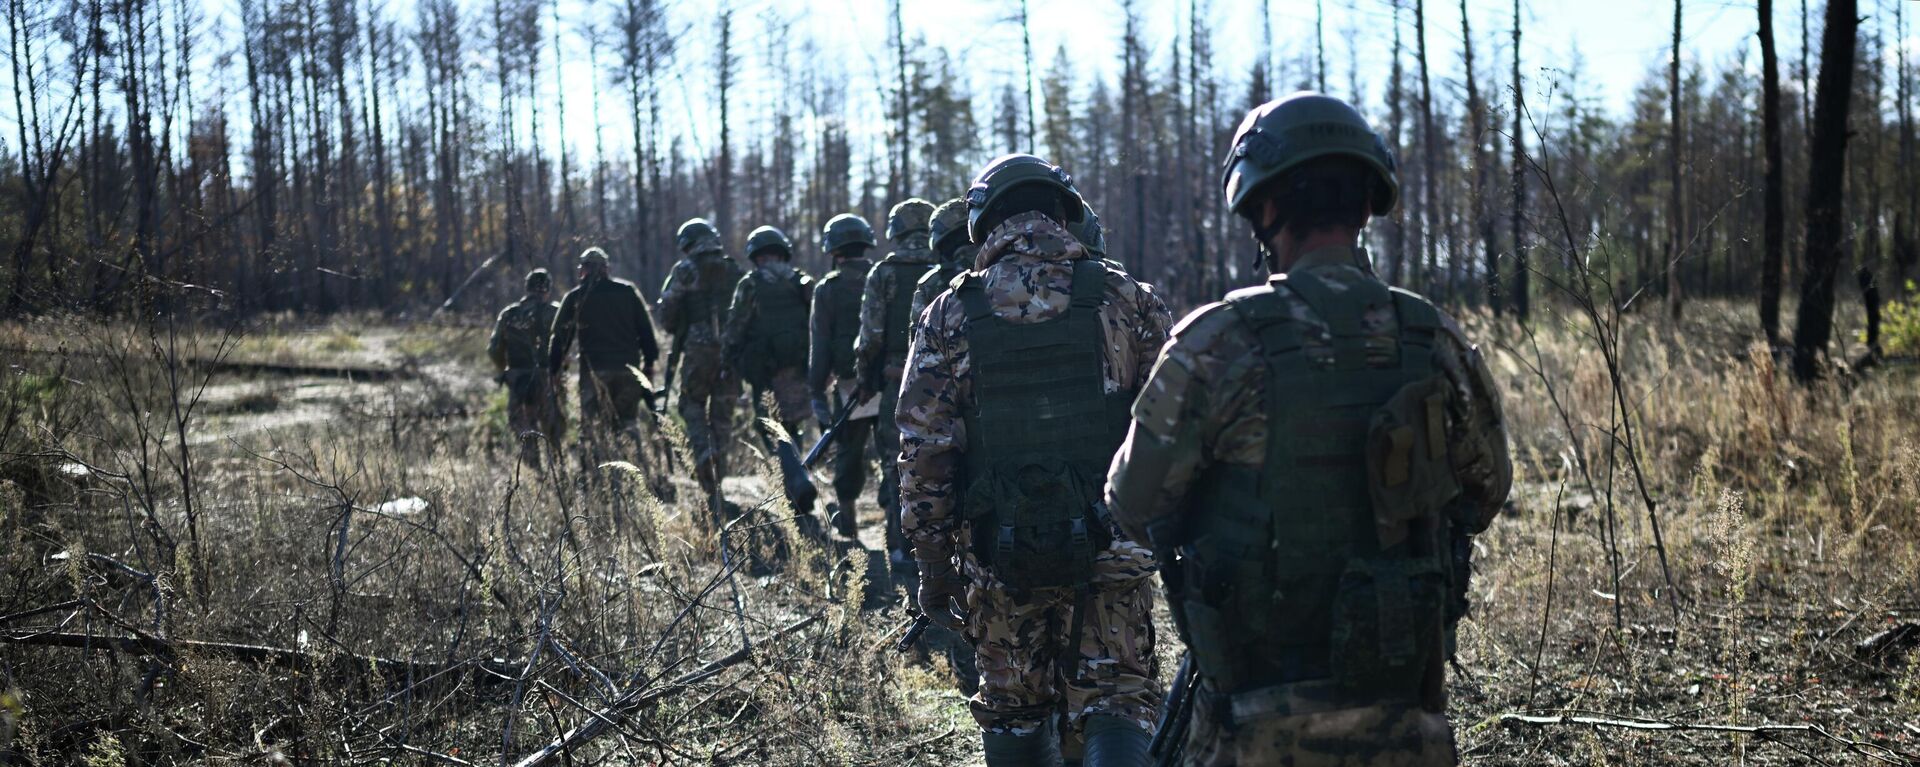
[(1206, 402), (1026, 267), (1016, 643), (609, 413), (936, 281), (1372, 736), (874, 363), (790, 402), (518, 347), (693, 304)]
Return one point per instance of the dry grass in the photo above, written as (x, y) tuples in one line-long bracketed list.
[(1789, 518)]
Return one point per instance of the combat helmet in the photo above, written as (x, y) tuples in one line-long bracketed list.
[(768, 237), (846, 229), (908, 217), (540, 280), (1088, 231), (948, 219), (694, 233), (593, 256), (1014, 170), (1280, 135)]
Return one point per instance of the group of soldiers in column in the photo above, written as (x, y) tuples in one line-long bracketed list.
[(1304, 462)]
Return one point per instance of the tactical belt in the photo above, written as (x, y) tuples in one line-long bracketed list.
[(1314, 696)]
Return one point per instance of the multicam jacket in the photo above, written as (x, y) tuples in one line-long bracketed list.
[(745, 298), (1026, 266), (939, 278), (1206, 402), (693, 301), (887, 282), (520, 334)]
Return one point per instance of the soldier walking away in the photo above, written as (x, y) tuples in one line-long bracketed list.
[(947, 234), (766, 337), (609, 317), (518, 348), (1308, 459), (1015, 398), (693, 304), (835, 323), (880, 352)]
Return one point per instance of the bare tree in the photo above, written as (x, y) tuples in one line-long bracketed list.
[(1522, 301), (1482, 166), (1774, 219), (1677, 206), (1428, 154), (1826, 188)]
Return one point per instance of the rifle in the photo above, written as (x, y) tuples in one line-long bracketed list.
[(1170, 736), (827, 437), (912, 635), (673, 365), (794, 479)]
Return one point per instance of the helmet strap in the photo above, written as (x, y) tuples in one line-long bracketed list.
[(1263, 233)]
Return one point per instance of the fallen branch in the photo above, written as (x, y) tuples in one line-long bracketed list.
[(640, 697), (149, 645), (1873, 751)]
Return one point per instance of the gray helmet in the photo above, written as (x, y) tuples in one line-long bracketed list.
[(696, 233), (948, 219), (845, 229), (768, 237), (590, 257), (1008, 171), (1087, 230), (1279, 135), (538, 279), (908, 217)]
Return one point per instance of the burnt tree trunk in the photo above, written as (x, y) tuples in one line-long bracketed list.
[(1826, 188), (1774, 221)]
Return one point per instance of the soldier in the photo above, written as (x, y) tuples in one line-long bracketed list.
[(518, 347), (766, 336), (835, 323), (1016, 393), (1314, 449), (881, 349), (693, 304), (947, 232), (610, 318)]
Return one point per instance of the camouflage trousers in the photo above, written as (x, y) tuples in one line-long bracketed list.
[(1402, 735), (850, 461), (791, 404), (532, 413), (1018, 645), (708, 394)]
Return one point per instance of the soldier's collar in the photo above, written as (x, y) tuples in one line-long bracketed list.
[(1333, 255)]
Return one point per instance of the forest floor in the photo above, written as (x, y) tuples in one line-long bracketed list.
[(347, 493)]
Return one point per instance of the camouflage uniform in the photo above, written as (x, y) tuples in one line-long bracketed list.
[(875, 364), (610, 318), (1026, 266), (831, 361), (518, 347), (1206, 403), (693, 304), (789, 384)]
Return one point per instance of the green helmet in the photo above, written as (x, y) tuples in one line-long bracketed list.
[(1008, 171), (1087, 230), (539, 280), (1279, 135), (590, 257), (908, 217), (695, 233), (768, 237), (846, 229), (948, 219)]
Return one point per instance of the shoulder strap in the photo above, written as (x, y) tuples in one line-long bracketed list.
[(973, 298), (1089, 283)]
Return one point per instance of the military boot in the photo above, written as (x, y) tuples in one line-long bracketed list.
[(1114, 742), (1034, 749), (841, 514)]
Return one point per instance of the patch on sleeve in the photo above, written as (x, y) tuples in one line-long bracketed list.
[(1158, 407)]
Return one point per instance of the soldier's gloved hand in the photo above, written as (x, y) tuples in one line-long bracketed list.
[(823, 414), (940, 589), (500, 377)]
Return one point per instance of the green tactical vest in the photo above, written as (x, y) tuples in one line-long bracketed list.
[(1329, 562), (843, 298), (1040, 434), (709, 303), (899, 332), (777, 334)]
